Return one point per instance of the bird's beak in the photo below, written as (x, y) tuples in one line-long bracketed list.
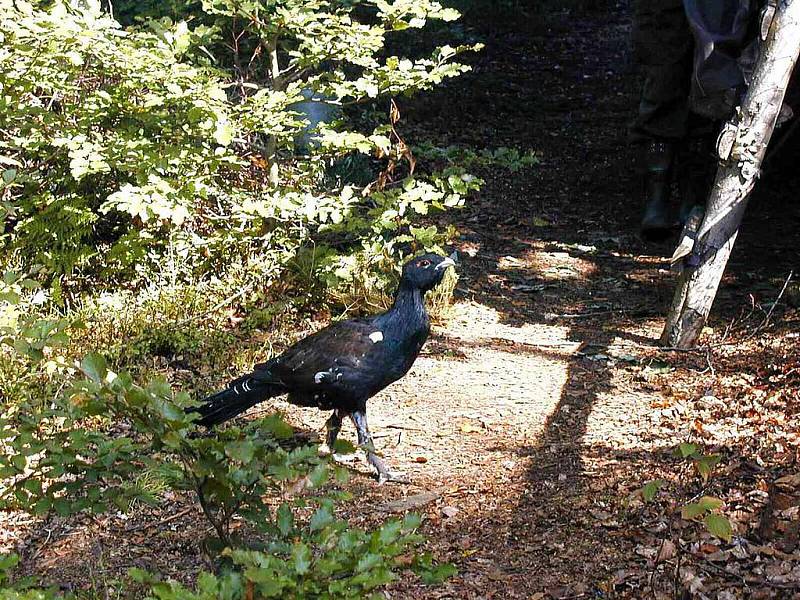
[(450, 261)]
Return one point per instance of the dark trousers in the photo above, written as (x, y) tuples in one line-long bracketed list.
[(663, 47), (690, 52)]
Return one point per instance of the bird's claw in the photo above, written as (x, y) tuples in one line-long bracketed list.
[(345, 459)]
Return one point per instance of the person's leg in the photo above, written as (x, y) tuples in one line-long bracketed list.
[(695, 164), (663, 47), (724, 50), (721, 29)]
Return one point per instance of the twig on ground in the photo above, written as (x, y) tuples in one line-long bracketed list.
[(655, 568), (43, 545), (710, 364), (765, 323), (777, 300), (580, 315)]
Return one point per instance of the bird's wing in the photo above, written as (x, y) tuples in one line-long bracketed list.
[(332, 360)]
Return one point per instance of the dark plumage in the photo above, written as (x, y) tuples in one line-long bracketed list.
[(343, 365)]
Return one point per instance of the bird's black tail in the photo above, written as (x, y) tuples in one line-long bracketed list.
[(240, 395)]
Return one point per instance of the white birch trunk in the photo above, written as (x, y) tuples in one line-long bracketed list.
[(741, 148)]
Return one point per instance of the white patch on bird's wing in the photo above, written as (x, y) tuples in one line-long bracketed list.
[(376, 336), (331, 374)]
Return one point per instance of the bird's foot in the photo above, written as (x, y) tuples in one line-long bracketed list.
[(384, 475), (345, 459), (393, 477)]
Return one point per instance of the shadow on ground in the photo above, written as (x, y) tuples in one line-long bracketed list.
[(542, 405)]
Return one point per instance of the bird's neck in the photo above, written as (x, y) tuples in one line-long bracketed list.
[(408, 311)]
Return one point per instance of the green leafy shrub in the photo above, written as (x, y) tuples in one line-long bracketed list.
[(31, 345), (121, 155), (702, 508), (158, 158), (505, 158), (24, 589), (109, 141), (325, 558), (54, 462)]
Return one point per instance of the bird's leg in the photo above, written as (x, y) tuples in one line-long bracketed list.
[(333, 425), (365, 441)]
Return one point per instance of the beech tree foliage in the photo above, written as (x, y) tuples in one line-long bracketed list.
[(118, 146), (171, 147)]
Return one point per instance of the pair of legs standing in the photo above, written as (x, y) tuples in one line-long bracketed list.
[(690, 53), (359, 418)]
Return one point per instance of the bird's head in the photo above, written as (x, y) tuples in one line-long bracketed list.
[(426, 271)]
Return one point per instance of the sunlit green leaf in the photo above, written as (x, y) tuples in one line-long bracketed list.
[(94, 367), (650, 489), (719, 526)]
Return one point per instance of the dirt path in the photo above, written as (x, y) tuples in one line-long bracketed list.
[(532, 439), (541, 407)]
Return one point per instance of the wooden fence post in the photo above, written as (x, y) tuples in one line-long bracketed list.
[(741, 147)]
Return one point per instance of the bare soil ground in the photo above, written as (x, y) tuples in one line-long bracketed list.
[(542, 405)]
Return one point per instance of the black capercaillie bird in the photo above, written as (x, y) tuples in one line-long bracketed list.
[(343, 365)]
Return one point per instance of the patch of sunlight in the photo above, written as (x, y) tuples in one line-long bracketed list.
[(503, 385), (498, 391), (646, 275), (549, 266), (556, 266), (621, 416), (471, 320), (491, 394), (9, 315)]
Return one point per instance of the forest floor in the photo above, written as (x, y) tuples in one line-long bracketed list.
[(542, 405)]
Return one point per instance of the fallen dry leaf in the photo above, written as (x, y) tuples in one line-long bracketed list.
[(408, 503), (450, 511), (666, 551)]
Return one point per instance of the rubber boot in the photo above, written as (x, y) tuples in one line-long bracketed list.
[(659, 158), (695, 172)]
